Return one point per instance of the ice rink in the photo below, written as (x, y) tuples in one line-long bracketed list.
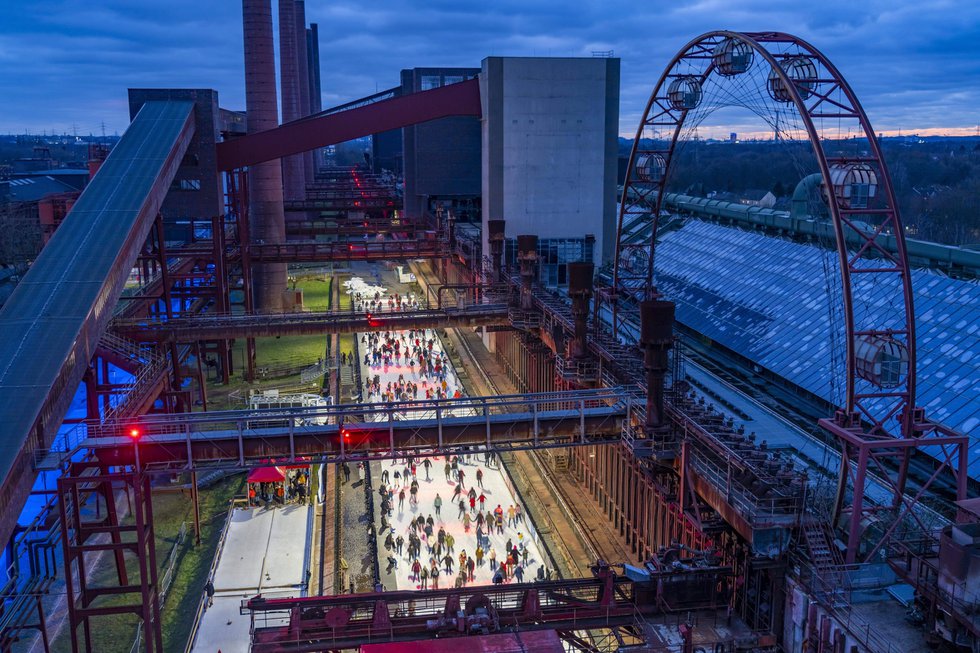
[(496, 491), (495, 486), (265, 551)]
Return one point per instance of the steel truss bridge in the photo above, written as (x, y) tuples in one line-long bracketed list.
[(607, 601), (254, 325), (242, 439)]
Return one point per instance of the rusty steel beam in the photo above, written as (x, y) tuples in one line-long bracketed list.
[(462, 99)]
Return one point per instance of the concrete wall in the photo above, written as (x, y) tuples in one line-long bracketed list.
[(549, 156), (441, 157)]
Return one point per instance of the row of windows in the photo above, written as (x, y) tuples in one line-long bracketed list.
[(553, 255), (430, 82)]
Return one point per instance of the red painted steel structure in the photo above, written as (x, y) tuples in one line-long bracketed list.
[(606, 601), (462, 99), (211, 326), (873, 410), (84, 538)]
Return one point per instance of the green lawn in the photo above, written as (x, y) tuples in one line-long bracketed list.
[(316, 291)]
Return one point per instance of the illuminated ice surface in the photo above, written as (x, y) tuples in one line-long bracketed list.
[(495, 488)]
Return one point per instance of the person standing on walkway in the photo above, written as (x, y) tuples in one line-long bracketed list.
[(458, 492), (449, 469), (435, 577), (510, 516), (519, 573), (346, 469), (492, 557), (438, 504), (482, 499), (448, 561), (479, 478), (479, 555), (399, 542), (471, 566), (466, 522), (462, 509), (209, 591), (416, 569), (472, 504), (425, 578), (401, 500), (427, 464), (519, 513), (450, 542), (462, 475), (385, 476)]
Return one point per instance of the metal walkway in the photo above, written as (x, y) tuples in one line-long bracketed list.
[(51, 325), (239, 439), (255, 325)]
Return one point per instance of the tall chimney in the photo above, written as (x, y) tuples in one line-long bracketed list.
[(292, 166), (313, 57), (265, 179), (303, 83)]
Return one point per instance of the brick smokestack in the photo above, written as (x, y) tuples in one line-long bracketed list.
[(303, 81), (265, 179), (289, 79)]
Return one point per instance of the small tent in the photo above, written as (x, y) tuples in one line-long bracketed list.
[(266, 475)]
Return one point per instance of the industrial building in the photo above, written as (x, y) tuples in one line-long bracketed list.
[(259, 401)]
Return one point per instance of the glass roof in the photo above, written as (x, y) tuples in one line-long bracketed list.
[(774, 301)]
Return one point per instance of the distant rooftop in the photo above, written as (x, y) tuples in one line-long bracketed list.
[(32, 189)]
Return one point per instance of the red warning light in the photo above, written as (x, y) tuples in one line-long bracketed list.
[(134, 433)]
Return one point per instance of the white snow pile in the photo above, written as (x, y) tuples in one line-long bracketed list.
[(356, 285)]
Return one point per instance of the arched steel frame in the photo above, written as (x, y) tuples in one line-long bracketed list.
[(830, 97), (874, 422)]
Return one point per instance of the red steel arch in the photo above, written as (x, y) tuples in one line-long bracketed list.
[(882, 411)]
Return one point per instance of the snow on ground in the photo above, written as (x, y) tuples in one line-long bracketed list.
[(265, 550)]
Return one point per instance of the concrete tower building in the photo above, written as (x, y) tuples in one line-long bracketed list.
[(550, 138)]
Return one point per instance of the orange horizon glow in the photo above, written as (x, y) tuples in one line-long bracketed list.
[(722, 133)]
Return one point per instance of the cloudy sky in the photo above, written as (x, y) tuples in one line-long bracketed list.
[(66, 64)]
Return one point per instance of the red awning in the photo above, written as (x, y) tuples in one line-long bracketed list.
[(266, 475)]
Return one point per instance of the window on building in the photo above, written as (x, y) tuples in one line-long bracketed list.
[(430, 82), (186, 184), (453, 79)]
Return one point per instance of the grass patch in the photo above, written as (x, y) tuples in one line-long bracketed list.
[(316, 291)]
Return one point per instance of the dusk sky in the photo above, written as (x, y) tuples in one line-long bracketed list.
[(66, 64)]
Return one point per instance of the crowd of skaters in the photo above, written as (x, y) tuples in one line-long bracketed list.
[(428, 367), (427, 544), (379, 301)]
